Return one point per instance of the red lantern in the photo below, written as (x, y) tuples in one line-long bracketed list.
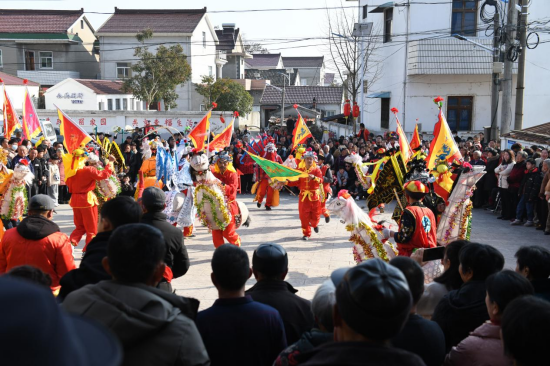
[(355, 110), (347, 108)]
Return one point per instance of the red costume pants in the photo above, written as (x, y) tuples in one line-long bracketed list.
[(188, 231), (85, 222), (324, 210), (263, 189), (229, 233), (310, 213)]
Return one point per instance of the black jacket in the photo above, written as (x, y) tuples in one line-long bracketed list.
[(91, 269), (176, 254), (530, 184), (542, 288), (295, 311), (461, 311), (358, 354), (490, 179)]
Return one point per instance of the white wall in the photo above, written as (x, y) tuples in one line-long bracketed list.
[(82, 98)]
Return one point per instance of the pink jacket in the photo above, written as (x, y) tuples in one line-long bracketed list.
[(483, 347)]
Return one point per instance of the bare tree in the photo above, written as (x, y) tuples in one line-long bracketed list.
[(345, 52), (253, 47)]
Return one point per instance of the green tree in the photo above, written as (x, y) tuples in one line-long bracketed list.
[(156, 75), (228, 94)]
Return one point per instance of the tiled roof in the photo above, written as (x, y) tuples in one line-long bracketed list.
[(14, 80), (303, 95), (329, 78), (264, 60), (303, 61), (226, 40), (252, 84), (159, 21), (538, 134), (37, 21), (273, 75), (49, 77), (102, 86)]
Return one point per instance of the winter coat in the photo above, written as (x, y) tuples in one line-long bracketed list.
[(542, 288), (433, 293), (53, 175), (491, 179), (37, 242), (547, 189), (545, 180), (516, 176), (461, 311), (61, 173), (503, 172), (307, 342), (482, 348), (295, 311), (530, 184), (154, 327)]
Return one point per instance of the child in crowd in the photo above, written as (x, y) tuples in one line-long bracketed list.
[(342, 178), (126, 188), (358, 192), (53, 179)]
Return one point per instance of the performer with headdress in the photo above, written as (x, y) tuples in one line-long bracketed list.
[(264, 187), (309, 203), (14, 193), (81, 180)]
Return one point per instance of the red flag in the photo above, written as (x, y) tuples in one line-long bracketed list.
[(300, 133), (11, 120), (403, 143), (200, 132), (222, 140), (73, 134), (415, 142), (31, 124)]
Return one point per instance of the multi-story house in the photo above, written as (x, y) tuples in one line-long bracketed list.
[(419, 59), (189, 28), (231, 44), (47, 46), (265, 61), (312, 69)]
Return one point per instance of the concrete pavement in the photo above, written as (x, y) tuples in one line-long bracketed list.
[(310, 262)]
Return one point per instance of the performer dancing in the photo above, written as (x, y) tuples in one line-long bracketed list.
[(309, 204), (265, 188), (81, 181), (224, 171), (417, 228)]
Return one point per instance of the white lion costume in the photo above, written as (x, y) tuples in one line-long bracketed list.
[(14, 200)]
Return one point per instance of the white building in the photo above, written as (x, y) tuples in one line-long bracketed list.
[(189, 28), (91, 94), (421, 60)]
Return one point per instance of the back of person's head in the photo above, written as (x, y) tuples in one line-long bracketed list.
[(31, 274), (481, 260), (525, 335), (533, 262), (135, 253), (451, 277), (374, 300), (120, 211), (41, 204), (414, 275), (322, 304), (271, 261), (153, 199), (230, 267), (505, 286)]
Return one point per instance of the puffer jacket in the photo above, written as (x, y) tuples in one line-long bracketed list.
[(154, 327), (37, 242), (530, 184), (503, 172), (482, 348)]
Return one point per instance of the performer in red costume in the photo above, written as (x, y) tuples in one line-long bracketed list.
[(327, 180), (264, 187), (224, 171), (309, 204), (81, 181)]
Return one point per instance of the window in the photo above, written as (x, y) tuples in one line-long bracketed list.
[(210, 70), (1, 60), (46, 60), (29, 60), (204, 39), (303, 82), (330, 113), (123, 70), (81, 23), (109, 104), (365, 11), (459, 113), (464, 17), (132, 101), (388, 19), (125, 104), (117, 103), (385, 113), (203, 107)]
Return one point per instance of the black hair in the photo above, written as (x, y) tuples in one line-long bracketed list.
[(525, 335), (13, 141), (483, 260), (2, 139), (134, 252), (505, 286), (451, 277), (531, 161), (231, 267), (415, 195), (31, 274), (516, 146), (40, 149), (536, 258), (120, 211), (414, 275)]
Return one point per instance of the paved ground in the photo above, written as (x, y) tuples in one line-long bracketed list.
[(310, 262)]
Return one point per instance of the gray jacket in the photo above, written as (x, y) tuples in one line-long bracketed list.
[(155, 327)]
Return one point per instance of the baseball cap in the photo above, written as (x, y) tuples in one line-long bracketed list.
[(153, 196), (270, 259), (374, 300), (41, 202)]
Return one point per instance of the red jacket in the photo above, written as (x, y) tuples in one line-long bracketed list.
[(309, 188), (231, 181), (84, 182), (37, 242)]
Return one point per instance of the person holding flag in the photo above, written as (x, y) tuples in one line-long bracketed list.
[(264, 187)]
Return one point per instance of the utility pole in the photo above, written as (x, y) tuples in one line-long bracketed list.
[(283, 100), (520, 87), (510, 28), (495, 83)]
